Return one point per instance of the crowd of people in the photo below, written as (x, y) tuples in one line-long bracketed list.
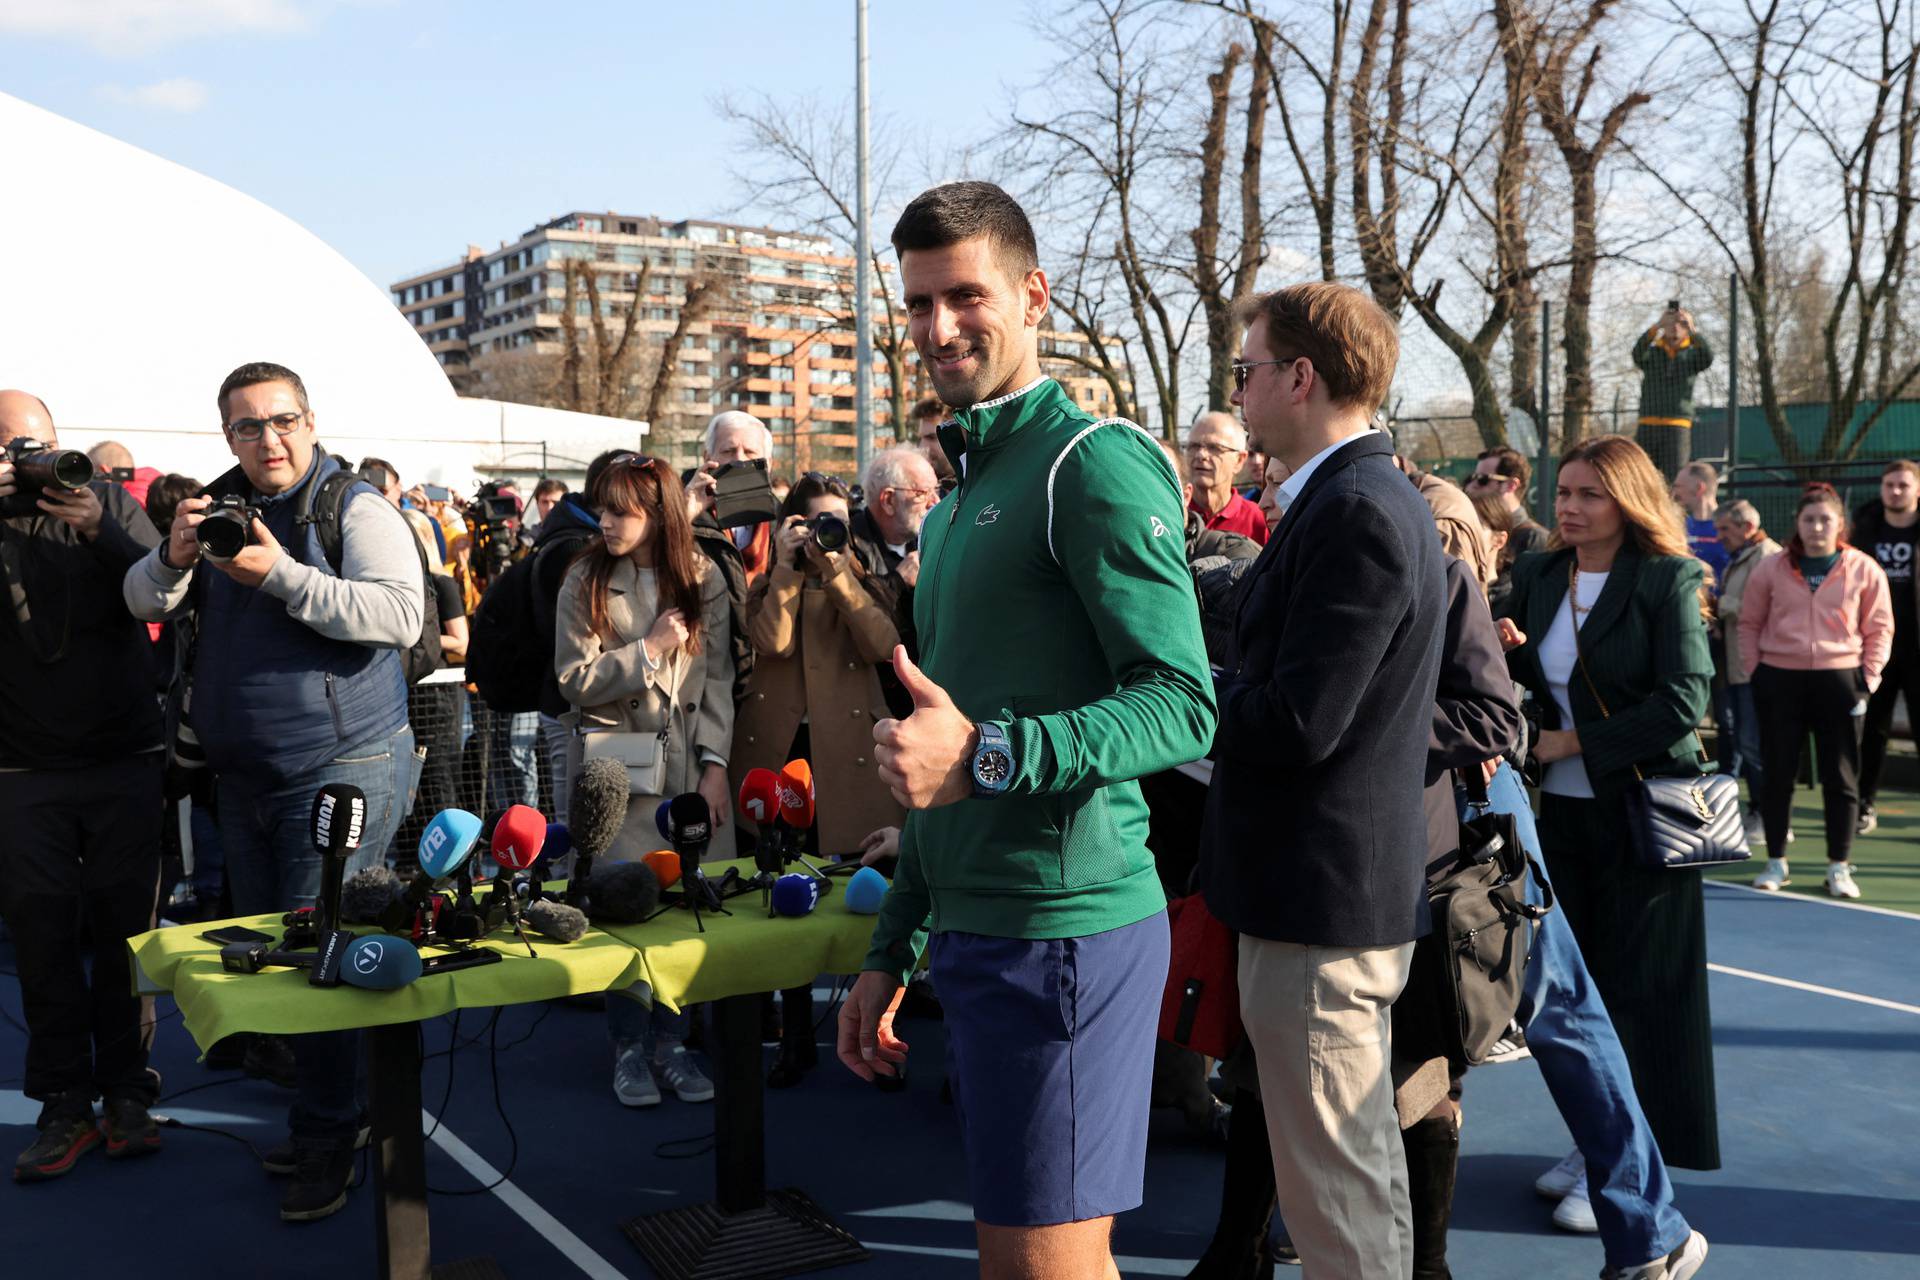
[(992, 703)]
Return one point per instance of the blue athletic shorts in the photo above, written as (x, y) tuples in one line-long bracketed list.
[(1050, 1052)]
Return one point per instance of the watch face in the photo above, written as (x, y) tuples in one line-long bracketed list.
[(993, 768)]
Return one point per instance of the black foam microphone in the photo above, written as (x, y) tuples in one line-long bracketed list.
[(374, 895), (594, 819), (555, 920), (624, 893), (339, 820)]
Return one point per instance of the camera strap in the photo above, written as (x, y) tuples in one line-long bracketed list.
[(13, 574)]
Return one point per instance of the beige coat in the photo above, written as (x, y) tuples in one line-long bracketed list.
[(608, 681), (815, 645), (1732, 590)]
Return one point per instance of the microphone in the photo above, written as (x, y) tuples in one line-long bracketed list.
[(865, 891), (760, 801), (518, 837), (688, 828), (376, 963), (374, 895), (339, 818), (598, 811), (666, 867), (447, 842), (559, 843), (624, 893), (795, 895), (554, 919), (795, 789), (660, 819)]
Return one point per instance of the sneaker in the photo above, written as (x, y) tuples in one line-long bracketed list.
[(1790, 836), (1774, 877), (1511, 1047), (632, 1081), (67, 1132), (1840, 880), (677, 1069), (283, 1159), (1868, 822), (1753, 829), (1681, 1264), (269, 1058), (131, 1130), (322, 1172), (1576, 1211), (1558, 1182)]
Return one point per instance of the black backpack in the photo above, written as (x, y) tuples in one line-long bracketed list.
[(509, 654), (324, 510)]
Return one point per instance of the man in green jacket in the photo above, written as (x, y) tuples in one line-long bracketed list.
[(1063, 660), (1669, 356)]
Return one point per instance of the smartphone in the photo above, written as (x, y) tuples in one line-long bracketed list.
[(234, 934), (743, 495), (436, 492), (1673, 304)]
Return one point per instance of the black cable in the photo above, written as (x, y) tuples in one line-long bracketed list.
[(660, 1150), (513, 1139), (446, 1095), (171, 1123), (210, 1084), (841, 986)]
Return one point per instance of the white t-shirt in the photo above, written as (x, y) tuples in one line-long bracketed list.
[(1559, 659)]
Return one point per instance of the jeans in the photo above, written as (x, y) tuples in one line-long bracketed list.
[(272, 866), (1586, 1071), (513, 755), (553, 741), (644, 1021), (1743, 760), (209, 856)]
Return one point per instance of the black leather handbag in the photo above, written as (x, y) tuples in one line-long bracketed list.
[(1676, 824)]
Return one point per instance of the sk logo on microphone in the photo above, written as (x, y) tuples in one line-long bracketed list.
[(988, 514), (1159, 530)]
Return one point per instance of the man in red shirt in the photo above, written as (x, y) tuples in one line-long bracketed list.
[(1216, 449)]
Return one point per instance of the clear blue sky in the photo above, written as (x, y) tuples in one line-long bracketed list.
[(399, 130)]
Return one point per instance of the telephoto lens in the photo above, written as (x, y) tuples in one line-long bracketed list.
[(38, 469), (228, 527), (830, 531)]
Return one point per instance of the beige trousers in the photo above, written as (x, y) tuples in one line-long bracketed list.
[(1318, 1020)]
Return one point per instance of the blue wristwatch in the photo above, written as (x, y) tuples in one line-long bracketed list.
[(992, 761)]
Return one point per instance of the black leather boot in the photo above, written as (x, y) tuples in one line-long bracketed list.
[(1433, 1158), (1238, 1250)]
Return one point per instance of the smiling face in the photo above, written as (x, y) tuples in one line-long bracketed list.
[(974, 324), (273, 463), (1586, 513)]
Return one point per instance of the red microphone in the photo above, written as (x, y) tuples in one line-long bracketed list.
[(760, 796), (519, 837), (795, 788)]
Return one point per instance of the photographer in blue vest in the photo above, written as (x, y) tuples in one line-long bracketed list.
[(298, 684)]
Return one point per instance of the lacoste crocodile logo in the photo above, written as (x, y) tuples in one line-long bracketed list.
[(988, 514)]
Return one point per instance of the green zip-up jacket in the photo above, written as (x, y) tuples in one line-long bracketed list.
[(1667, 374), (1054, 597)]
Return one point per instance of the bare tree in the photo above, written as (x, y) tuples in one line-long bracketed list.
[(596, 374), (702, 295), (1221, 294)]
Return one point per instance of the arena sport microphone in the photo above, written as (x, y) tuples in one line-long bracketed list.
[(339, 820), (376, 963), (598, 811)]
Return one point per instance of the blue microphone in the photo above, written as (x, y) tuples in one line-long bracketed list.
[(660, 819), (865, 890), (795, 895), (447, 842), (380, 963)]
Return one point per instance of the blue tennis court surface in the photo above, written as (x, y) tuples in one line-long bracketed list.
[(1819, 1082)]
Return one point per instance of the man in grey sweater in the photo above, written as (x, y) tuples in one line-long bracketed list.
[(297, 684)]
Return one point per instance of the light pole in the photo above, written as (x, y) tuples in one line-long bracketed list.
[(863, 255)]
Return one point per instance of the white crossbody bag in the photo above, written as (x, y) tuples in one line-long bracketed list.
[(642, 755)]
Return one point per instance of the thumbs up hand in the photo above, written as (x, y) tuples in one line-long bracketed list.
[(925, 760)]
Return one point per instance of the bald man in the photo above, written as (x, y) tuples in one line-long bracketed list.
[(80, 766), (1216, 449), (110, 456)]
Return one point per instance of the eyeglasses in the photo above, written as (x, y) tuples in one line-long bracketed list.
[(251, 429), (928, 494), (1195, 449), (1482, 478), (1242, 367)]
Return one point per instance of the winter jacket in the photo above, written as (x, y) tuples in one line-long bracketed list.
[(1667, 374), (1733, 599), (1847, 623)]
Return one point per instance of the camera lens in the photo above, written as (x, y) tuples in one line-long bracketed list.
[(830, 532), (224, 534)]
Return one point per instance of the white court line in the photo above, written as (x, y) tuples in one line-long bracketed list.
[(1778, 896), (1837, 994), (545, 1224)]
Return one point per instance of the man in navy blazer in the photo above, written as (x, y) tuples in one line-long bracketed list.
[(1314, 848)]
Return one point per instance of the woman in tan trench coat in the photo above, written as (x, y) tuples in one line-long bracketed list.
[(817, 632), (641, 646)]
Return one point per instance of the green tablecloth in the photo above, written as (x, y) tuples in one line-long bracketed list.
[(740, 953)]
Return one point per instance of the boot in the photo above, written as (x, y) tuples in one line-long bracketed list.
[(1238, 1250), (1433, 1158)]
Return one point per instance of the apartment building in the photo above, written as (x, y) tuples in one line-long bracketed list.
[(775, 337)]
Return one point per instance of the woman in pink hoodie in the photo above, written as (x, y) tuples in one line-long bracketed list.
[(1816, 625)]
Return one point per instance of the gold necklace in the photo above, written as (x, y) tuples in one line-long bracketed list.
[(1573, 595)]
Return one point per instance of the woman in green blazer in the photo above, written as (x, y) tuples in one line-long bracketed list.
[(1620, 575)]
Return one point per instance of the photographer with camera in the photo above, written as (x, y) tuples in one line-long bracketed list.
[(819, 622), (1669, 356), (298, 684), (80, 764)]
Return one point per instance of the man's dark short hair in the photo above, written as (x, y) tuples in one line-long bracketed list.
[(962, 211), (369, 465), (932, 409), (1513, 464), (549, 484), (164, 496), (259, 371)]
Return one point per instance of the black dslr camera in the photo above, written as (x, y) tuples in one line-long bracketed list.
[(489, 520), (37, 468), (228, 527), (830, 531)]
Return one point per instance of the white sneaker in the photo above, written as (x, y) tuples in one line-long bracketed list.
[(1576, 1211), (632, 1083), (1510, 1047), (682, 1076), (1774, 877), (1868, 822), (1681, 1264), (1790, 836), (1840, 880), (1754, 830), (1557, 1182)]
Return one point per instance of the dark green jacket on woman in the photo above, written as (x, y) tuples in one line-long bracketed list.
[(1645, 646)]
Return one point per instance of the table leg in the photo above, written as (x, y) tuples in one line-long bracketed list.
[(739, 1118), (401, 1238)]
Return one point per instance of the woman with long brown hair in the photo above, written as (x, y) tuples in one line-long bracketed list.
[(1816, 626), (1608, 632), (641, 651)]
